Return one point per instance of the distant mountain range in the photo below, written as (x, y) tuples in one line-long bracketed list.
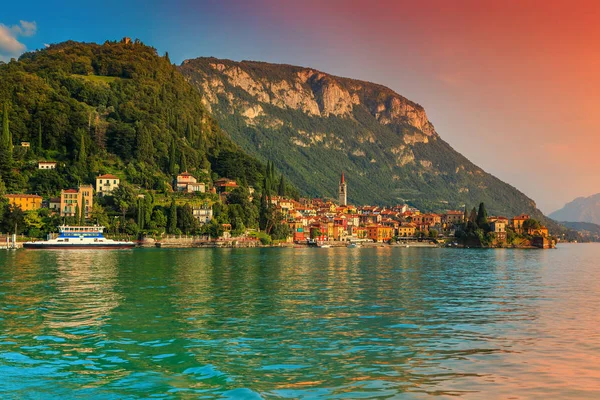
[(582, 209), (315, 125), (586, 230)]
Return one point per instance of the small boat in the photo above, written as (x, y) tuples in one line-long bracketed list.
[(352, 246), (324, 246), (80, 237)]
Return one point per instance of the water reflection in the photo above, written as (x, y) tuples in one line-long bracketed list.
[(301, 323)]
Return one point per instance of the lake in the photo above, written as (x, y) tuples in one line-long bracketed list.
[(300, 323)]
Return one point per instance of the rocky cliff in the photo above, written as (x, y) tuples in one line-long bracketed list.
[(314, 125)]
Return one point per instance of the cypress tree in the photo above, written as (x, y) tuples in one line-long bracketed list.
[(141, 213), (6, 137), (172, 158), (172, 222), (145, 147), (482, 220), (82, 156), (40, 145), (264, 208), (281, 190), (82, 216), (473, 216), (183, 162)]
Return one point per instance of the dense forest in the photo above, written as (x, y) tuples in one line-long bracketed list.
[(116, 108)]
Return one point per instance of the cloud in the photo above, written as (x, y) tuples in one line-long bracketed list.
[(9, 44), (25, 28)]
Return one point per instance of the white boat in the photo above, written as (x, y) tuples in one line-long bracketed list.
[(80, 237), (352, 246), (324, 246)]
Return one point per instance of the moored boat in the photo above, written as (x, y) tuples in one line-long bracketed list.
[(80, 237)]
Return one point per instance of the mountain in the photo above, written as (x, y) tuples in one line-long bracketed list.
[(115, 107), (587, 231), (314, 126), (582, 209)]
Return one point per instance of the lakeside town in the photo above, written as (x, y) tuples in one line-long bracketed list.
[(197, 211)]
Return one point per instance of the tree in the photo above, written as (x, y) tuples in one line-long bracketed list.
[(172, 158), (281, 190), (531, 224), (98, 216), (145, 148), (473, 216), (482, 220), (13, 220), (141, 213), (6, 136), (183, 162), (82, 216), (172, 222), (215, 229), (6, 157), (185, 219), (263, 212), (159, 218), (40, 145), (82, 155)]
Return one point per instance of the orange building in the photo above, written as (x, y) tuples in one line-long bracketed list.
[(72, 200), (517, 222), (380, 233), (405, 230), (25, 202)]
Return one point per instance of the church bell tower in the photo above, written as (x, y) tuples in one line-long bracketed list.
[(343, 192)]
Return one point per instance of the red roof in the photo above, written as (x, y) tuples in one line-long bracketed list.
[(107, 176), (70, 191), (343, 180)]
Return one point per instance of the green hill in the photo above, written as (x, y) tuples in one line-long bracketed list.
[(117, 107)]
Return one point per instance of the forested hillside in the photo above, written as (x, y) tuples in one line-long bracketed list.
[(115, 107)]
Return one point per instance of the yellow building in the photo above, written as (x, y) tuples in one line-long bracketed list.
[(25, 202), (380, 233), (72, 201), (407, 230), (105, 184)]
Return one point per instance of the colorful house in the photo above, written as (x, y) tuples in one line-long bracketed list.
[(380, 233), (79, 200), (26, 202), (105, 184), (225, 185), (517, 222)]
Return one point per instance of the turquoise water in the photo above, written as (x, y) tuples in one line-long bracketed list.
[(300, 323)]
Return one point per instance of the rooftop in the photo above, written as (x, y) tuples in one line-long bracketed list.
[(25, 196)]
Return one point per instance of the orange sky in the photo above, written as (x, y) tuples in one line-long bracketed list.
[(513, 85)]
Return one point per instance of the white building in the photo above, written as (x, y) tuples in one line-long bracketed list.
[(203, 214), (46, 164), (187, 183), (105, 184)]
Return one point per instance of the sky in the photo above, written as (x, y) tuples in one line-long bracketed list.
[(512, 85)]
